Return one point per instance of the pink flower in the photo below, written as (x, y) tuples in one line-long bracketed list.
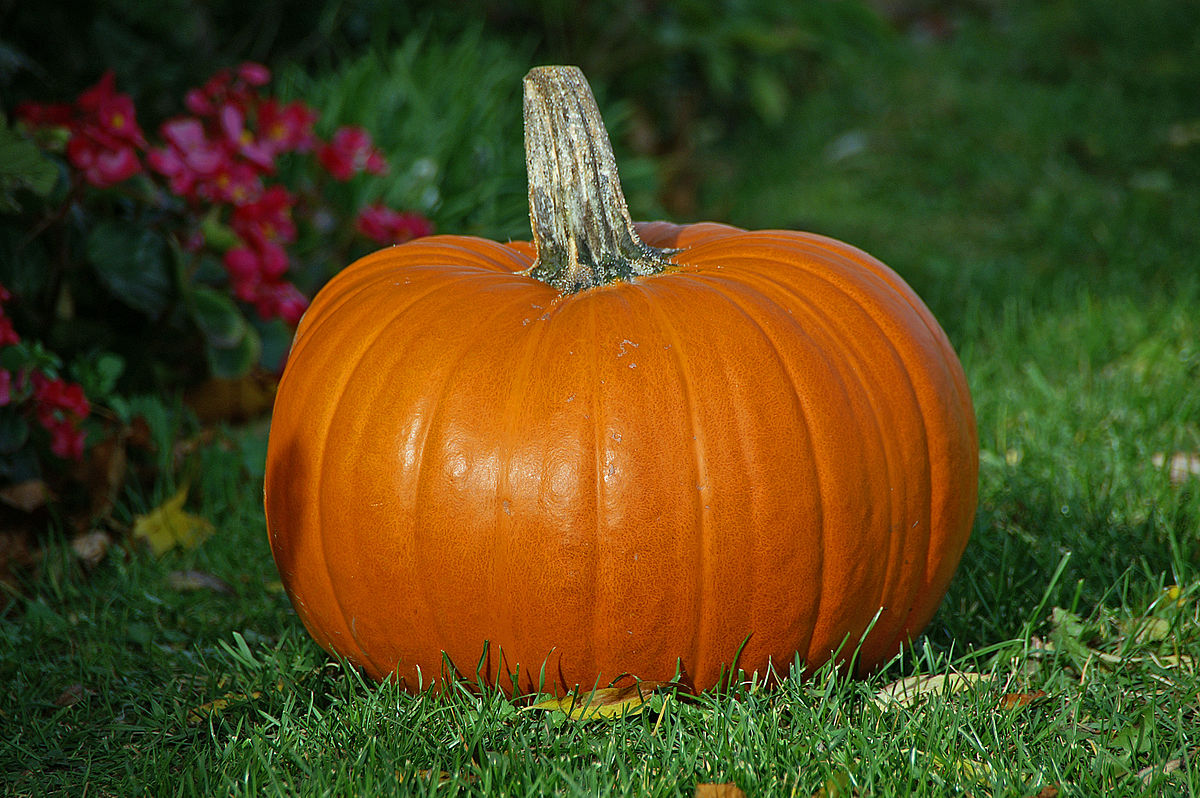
[(287, 128), (253, 74), (198, 101), (241, 141), (5, 387), (108, 117), (267, 219), (349, 152), (252, 265), (228, 88), (235, 182), (387, 226), (66, 439), (58, 394), (105, 135), (45, 114), (281, 300), (8, 336), (61, 405), (190, 158), (102, 167)]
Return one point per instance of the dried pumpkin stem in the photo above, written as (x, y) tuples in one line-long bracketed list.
[(581, 226)]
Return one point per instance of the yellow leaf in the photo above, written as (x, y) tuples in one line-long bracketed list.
[(724, 790), (168, 526), (909, 691), (605, 703), (1152, 630), (838, 785), (218, 705)]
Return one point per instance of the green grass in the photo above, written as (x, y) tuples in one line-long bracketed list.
[(1055, 238)]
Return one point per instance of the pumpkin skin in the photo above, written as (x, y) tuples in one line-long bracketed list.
[(767, 448)]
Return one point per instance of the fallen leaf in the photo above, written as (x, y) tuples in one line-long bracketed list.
[(1148, 773), (606, 703), (27, 496), (1152, 630), (72, 694), (17, 554), (909, 691), (1012, 700), (724, 790), (838, 785), (1047, 792), (441, 778), (184, 581), (235, 400), (103, 472), (218, 705), (1169, 661), (168, 526), (1182, 466), (91, 548)]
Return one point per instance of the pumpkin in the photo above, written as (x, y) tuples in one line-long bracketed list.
[(658, 450)]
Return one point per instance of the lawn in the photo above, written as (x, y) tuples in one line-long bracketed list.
[(1035, 175)]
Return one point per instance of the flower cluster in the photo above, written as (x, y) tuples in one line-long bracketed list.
[(57, 405), (380, 223), (105, 136), (222, 156)]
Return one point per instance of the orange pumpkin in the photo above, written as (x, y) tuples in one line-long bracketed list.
[(663, 454)]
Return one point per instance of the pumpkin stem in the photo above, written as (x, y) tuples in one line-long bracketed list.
[(582, 230)]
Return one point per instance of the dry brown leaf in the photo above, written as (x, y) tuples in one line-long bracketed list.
[(184, 581), (1170, 661), (605, 703), (1148, 773), (91, 548), (168, 526), (237, 399), (1013, 700), (72, 694), (17, 554), (27, 496), (1047, 792), (723, 790), (103, 472), (911, 690)]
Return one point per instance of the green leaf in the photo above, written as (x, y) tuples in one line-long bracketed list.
[(30, 355), (22, 166), (232, 362), (1068, 634), (14, 431), (98, 374), (218, 318), (276, 338), (217, 234), (132, 263), (768, 95)]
